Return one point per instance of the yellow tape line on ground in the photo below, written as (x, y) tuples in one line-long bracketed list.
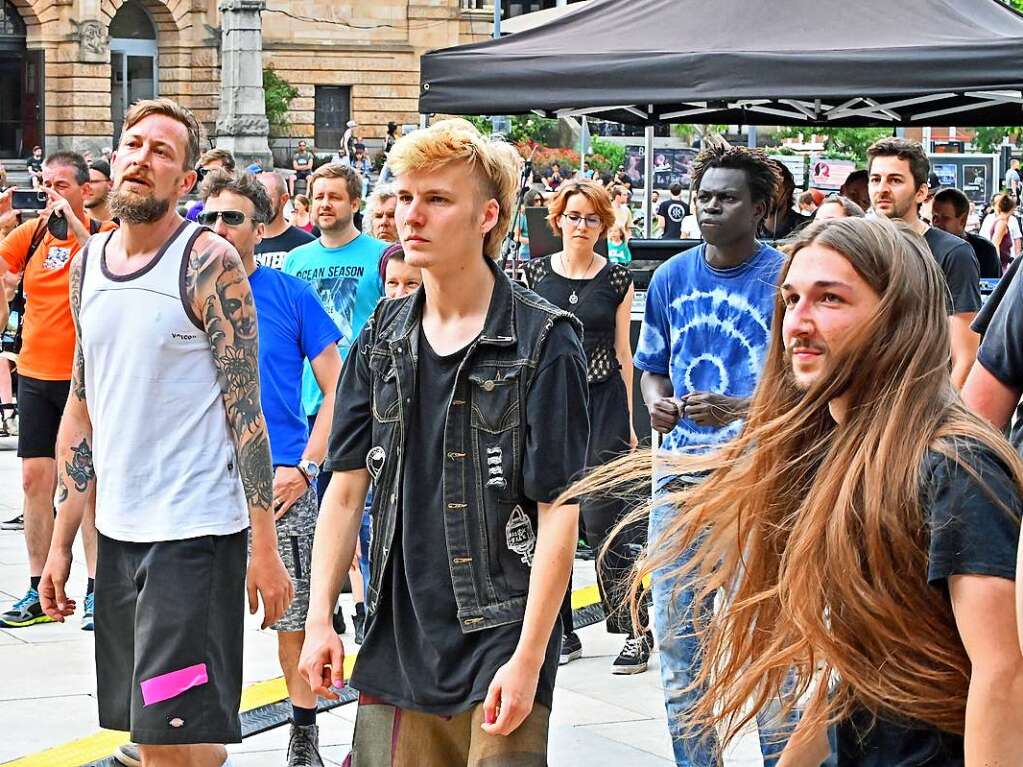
[(102, 744)]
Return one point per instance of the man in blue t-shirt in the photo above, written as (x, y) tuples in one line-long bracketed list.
[(705, 334), (294, 330), (343, 265)]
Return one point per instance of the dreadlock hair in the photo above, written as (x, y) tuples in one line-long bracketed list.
[(764, 178), (816, 530)]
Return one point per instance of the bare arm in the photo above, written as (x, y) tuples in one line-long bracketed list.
[(290, 482), (337, 530), (964, 346), (986, 619), (221, 297), (989, 398), (623, 351), (326, 369), (513, 689), (76, 476)]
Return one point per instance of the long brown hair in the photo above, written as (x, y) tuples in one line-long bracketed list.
[(816, 531)]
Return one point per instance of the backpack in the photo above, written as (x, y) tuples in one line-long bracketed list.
[(18, 303)]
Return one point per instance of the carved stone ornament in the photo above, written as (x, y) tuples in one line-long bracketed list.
[(247, 125), (94, 41)]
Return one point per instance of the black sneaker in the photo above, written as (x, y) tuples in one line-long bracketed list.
[(633, 658), (128, 755), (359, 624), (571, 648), (584, 552), (339, 621), (17, 523), (27, 611), (304, 746)]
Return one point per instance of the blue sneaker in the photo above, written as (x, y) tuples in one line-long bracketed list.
[(25, 612), (88, 621)]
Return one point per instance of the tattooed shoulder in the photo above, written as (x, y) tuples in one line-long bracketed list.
[(210, 257)]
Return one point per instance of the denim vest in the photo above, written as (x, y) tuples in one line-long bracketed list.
[(489, 525)]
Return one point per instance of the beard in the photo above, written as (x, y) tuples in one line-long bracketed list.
[(132, 208), (337, 225)]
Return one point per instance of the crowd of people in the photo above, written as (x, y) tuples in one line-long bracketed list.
[(260, 395)]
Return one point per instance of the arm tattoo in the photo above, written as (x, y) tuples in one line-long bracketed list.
[(61, 488), (256, 470), (78, 372), (80, 470), (218, 288)]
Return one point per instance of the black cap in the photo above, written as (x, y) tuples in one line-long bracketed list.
[(102, 166)]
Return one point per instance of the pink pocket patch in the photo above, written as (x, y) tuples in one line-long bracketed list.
[(167, 686)]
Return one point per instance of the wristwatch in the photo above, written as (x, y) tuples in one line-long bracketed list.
[(311, 469)]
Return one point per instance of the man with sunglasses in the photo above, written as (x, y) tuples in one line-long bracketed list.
[(293, 328)]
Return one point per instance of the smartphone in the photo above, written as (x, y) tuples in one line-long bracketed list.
[(29, 199)]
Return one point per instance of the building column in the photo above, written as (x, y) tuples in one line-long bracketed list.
[(242, 127)]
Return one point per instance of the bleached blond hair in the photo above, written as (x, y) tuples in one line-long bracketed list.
[(495, 165)]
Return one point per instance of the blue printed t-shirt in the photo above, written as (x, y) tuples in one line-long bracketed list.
[(708, 330), (293, 328), (347, 282)]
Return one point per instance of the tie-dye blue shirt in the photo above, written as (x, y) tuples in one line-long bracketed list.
[(708, 330)]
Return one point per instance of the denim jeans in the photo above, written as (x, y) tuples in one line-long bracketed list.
[(680, 663)]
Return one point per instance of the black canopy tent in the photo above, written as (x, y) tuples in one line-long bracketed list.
[(801, 62)]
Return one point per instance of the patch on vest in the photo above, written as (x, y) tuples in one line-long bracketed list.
[(375, 462), (495, 468), (520, 536)]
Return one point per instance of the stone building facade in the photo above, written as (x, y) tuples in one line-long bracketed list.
[(70, 68)]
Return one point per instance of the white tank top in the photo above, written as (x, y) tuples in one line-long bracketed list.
[(165, 464)]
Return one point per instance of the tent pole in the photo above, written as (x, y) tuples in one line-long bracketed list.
[(648, 187), (424, 120)]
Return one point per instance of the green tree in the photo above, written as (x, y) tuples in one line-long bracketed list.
[(850, 143), (530, 128), (278, 94), (989, 139)]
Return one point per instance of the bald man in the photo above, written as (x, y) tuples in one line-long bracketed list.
[(280, 236)]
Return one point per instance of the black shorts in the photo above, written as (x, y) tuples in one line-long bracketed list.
[(302, 174), (40, 406), (169, 625)]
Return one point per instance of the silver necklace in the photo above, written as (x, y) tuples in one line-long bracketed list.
[(574, 299)]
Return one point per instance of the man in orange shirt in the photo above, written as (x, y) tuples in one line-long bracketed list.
[(44, 362)]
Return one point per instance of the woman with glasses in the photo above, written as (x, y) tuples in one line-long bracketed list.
[(599, 293)]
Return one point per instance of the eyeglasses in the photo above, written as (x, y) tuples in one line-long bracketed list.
[(231, 217), (592, 222)]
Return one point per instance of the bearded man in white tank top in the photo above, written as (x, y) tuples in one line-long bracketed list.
[(164, 426)]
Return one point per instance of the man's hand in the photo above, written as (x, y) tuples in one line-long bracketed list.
[(322, 662), (51, 586), (709, 409), (510, 697), (290, 484), (269, 579), (664, 414)]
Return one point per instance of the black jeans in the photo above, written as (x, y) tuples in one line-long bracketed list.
[(609, 439)]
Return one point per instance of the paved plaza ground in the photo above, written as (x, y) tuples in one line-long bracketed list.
[(47, 697)]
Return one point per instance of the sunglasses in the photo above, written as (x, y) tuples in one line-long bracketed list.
[(231, 217)]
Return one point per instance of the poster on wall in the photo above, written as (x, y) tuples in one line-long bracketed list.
[(947, 173), (975, 183), (671, 166), (829, 174)]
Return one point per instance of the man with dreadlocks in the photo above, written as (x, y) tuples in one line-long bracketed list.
[(704, 337), (864, 524)]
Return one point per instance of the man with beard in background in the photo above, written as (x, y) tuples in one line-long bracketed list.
[(343, 266)]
